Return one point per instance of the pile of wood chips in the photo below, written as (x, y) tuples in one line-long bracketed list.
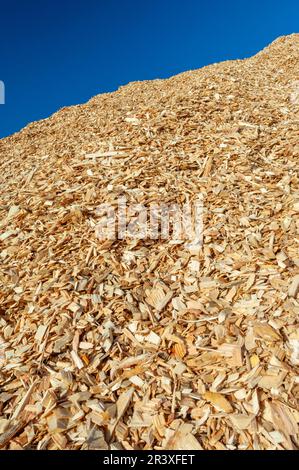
[(141, 344)]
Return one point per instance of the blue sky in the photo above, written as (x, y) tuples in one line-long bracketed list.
[(58, 53)]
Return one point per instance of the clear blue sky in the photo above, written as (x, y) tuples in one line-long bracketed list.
[(57, 53)]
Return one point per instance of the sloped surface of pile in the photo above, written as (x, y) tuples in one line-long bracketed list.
[(140, 344)]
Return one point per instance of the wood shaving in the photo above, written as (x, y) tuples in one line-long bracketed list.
[(145, 343)]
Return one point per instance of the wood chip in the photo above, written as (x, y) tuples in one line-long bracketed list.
[(218, 401), (294, 287), (152, 343)]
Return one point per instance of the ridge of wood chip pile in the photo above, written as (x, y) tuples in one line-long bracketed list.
[(140, 344)]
